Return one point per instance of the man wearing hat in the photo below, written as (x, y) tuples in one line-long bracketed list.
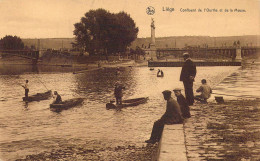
[(185, 109), (188, 73), (172, 115)]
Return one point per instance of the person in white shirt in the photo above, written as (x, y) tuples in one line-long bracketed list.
[(205, 92), (26, 88)]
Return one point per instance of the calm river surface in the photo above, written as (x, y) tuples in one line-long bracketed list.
[(33, 128)]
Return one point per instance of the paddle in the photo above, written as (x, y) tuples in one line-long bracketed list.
[(21, 85), (42, 83)]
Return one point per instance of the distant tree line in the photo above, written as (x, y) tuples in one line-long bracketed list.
[(11, 43), (102, 32)]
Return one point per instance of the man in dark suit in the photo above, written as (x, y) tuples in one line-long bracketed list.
[(188, 73), (185, 109), (172, 115)]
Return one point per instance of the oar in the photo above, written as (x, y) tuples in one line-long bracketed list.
[(42, 83), (20, 84)]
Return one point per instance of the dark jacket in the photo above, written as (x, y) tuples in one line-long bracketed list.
[(172, 114), (188, 69), (185, 109), (119, 91), (58, 99)]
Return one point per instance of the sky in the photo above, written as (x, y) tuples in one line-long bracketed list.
[(56, 18)]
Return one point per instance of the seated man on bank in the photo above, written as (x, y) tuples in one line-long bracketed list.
[(58, 99), (171, 116), (205, 92), (185, 109)]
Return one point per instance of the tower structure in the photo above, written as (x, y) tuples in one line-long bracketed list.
[(152, 44)]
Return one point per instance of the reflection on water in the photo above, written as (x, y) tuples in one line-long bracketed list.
[(32, 128), (6, 69)]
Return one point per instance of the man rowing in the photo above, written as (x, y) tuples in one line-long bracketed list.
[(58, 99)]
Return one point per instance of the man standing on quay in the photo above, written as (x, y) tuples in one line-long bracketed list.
[(188, 73)]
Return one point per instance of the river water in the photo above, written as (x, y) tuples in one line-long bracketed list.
[(32, 128), (244, 83)]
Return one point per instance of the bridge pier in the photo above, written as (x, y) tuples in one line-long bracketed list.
[(238, 54), (34, 61)]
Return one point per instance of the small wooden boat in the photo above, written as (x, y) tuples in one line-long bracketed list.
[(66, 65), (160, 75), (66, 104), (38, 96), (127, 103)]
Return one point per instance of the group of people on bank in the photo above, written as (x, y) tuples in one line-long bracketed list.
[(177, 111)]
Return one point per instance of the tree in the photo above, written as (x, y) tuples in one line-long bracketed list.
[(11, 43), (126, 31), (139, 51), (100, 31)]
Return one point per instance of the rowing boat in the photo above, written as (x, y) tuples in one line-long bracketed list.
[(127, 103), (66, 104), (38, 96), (159, 75)]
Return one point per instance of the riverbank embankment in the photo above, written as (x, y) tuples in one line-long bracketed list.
[(95, 151), (228, 131), (78, 63)]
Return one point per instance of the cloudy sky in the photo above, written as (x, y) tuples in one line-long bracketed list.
[(55, 18)]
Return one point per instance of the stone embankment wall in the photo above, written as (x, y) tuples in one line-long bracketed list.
[(227, 131)]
